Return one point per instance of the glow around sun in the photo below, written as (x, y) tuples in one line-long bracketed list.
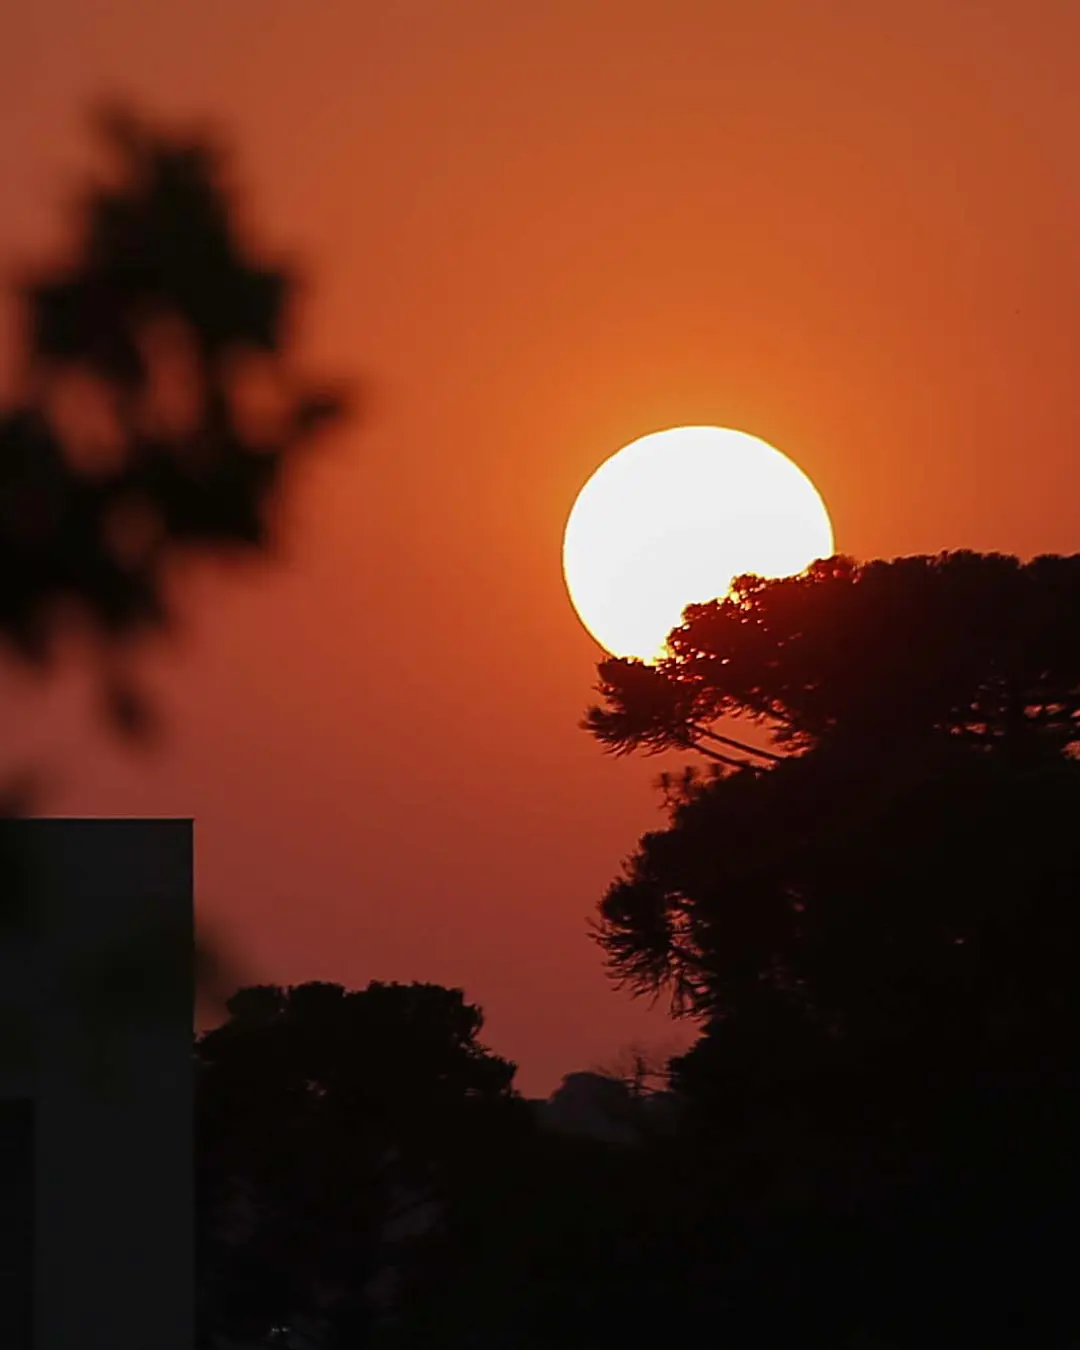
[(672, 518)]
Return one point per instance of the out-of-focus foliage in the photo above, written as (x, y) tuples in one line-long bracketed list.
[(159, 406)]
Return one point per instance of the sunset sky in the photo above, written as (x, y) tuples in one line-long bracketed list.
[(538, 229)]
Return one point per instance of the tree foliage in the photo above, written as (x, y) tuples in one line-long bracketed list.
[(909, 869), (158, 406), (979, 647), (878, 927), (938, 890), (322, 1114)]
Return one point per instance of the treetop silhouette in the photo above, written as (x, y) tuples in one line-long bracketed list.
[(977, 647), (326, 1115)]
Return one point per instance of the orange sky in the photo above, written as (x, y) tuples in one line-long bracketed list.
[(540, 230)]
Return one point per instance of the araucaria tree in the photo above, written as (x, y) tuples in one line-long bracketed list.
[(900, 864)]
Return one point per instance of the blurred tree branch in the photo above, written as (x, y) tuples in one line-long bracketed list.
[(158, 408)]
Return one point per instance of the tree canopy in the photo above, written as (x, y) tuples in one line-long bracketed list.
[(980, 647), (888, 871), (323, 1116), (931, 897), (876, 922)]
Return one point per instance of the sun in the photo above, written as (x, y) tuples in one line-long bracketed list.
[(672, 518)]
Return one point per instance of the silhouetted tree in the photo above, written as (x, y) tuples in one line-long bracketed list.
[(975, 647), (934, 896), (569, 1240), (878, 924), (330, 1121)]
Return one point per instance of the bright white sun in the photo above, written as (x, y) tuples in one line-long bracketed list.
[(672, 518)]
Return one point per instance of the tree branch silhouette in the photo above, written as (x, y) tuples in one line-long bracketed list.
[(159, 409)]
